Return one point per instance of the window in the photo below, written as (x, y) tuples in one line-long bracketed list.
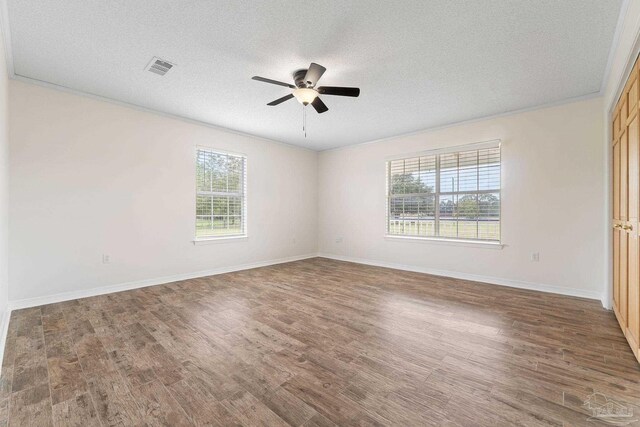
[(220, 194), (446, 194)]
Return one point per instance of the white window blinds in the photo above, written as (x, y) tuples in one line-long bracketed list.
[(220, 194), (446, 194)]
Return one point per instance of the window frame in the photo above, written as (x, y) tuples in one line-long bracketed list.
[(243, 218), (497, 143)]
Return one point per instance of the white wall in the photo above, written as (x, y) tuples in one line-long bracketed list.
[(90, 178), (551, 157), (4, 192)]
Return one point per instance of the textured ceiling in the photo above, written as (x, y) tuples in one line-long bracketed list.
[(419, 64)]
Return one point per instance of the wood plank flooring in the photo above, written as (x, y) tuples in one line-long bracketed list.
[(315, 343)]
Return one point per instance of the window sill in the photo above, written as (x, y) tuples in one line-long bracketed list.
[(222, 239), (443, 241)]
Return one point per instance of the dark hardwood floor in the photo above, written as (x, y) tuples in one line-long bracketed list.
[(316, 343)]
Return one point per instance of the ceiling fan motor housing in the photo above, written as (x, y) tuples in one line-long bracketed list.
[(298, 78)]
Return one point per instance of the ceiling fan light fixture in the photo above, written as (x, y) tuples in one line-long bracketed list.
[(305, 95)]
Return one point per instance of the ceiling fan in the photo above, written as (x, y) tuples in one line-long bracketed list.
[(305, 90)]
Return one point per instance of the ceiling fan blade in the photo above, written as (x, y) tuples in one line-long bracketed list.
[(319, 105), (281, 100), (339, 91), (314, 73), (273, 82)]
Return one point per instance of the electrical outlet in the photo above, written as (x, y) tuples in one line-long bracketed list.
[(106, 259), (535, 256), (338, 239)]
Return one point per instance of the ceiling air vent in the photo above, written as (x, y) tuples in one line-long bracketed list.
[(159, 66)]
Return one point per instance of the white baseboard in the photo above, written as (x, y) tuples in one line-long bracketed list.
[(66, 296), (475, 277)]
